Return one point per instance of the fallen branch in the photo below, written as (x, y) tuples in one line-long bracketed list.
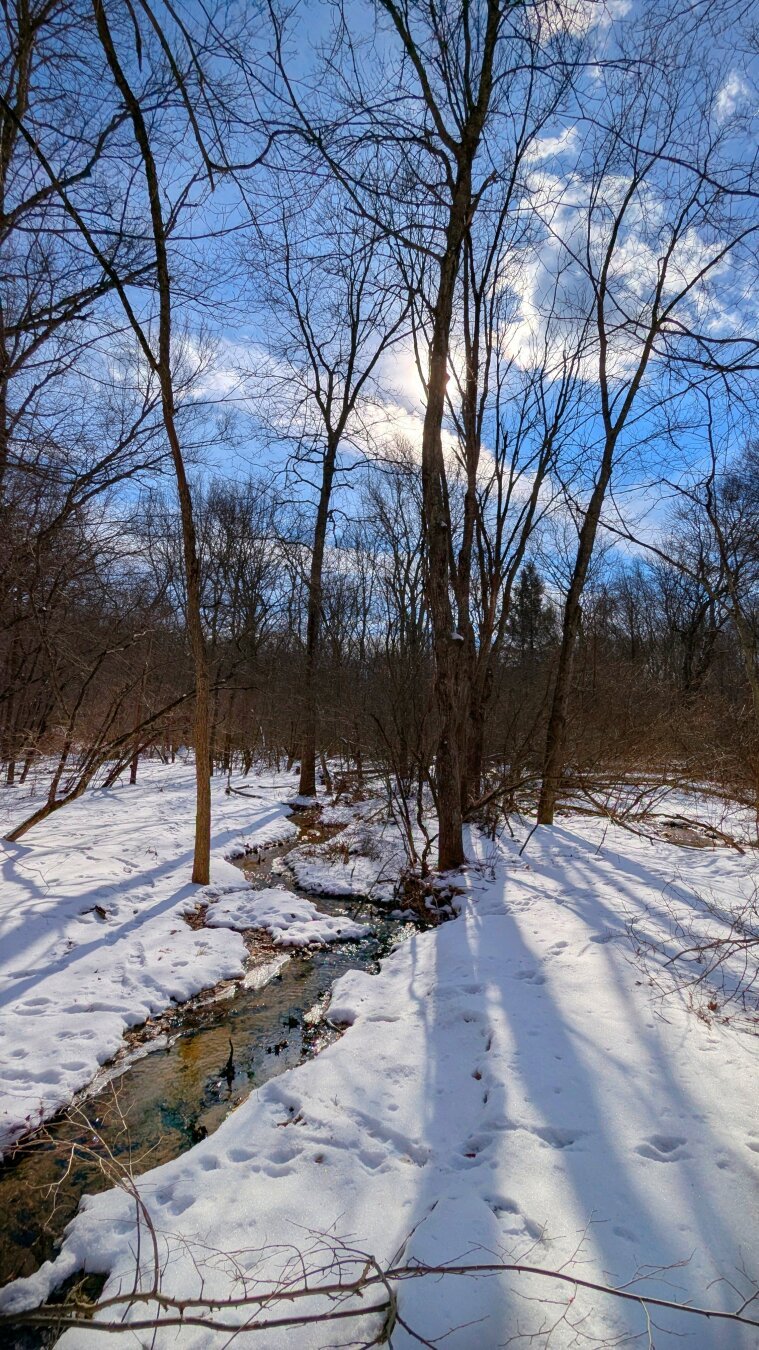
[(204, 1311)]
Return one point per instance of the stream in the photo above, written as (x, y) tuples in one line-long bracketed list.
[(174, 1083)]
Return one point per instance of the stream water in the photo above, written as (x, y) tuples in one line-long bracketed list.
[(175, 1082)]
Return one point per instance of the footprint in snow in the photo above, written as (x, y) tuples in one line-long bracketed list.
[(472, 1148), (663, 1148), (557, 1137), (530, 976)]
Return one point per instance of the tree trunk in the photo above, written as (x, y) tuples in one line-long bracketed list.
[(448, 645), (227, 755), (475, 744), (135, 759), (162, 366), (556, 735), (307, 784)]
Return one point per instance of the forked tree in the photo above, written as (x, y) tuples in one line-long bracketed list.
[(417, 131)]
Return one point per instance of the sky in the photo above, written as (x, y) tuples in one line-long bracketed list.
[(545, 278)]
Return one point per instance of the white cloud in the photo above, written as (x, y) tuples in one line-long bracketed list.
[(553, 294), (581, 17), (546, 147), (733, 92)]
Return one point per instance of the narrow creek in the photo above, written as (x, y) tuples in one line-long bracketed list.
[(175, 1084)]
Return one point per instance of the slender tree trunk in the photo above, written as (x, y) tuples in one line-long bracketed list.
[(201, 864), (201, 868), (481, 689), (213, 731), (463, 568), (227, 757), (307, 784), (447, 642), (8, 740), (18, 91), (449, 645), (134, 761), (556, 735)]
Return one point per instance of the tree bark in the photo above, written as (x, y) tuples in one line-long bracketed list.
[(307, 783)]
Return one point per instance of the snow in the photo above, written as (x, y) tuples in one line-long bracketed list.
[(511, 1086), (291, 920), (93, 938), (365, 860)]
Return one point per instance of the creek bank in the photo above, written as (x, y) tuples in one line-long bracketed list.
[(177, 1079)]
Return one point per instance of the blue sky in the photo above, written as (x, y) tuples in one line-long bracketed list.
[(665, 437)]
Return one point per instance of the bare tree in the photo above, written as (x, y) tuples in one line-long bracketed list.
[(147, 63), (334, 314), (418, 132), (652, 249)]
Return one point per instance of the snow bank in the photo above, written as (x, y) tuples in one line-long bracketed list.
[(291, 920), (365, 859), (509, 1087), (93, 937)]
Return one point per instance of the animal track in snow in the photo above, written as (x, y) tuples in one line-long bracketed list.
[(556, 1136), (182, 1203), (512, 1220), (530, 976), (372, 1158), (663, 1148), (472, 1148), (395, 1142), (501, 1204), (32, 1007)]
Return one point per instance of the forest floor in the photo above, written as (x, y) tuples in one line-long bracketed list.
[(528, 1083)]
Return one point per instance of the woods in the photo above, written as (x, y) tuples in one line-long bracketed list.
[(379, 672), (413, 269)]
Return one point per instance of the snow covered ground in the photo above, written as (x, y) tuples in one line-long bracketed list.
[(511, 1087), (92, 932), (289, 919), (366, 859)]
